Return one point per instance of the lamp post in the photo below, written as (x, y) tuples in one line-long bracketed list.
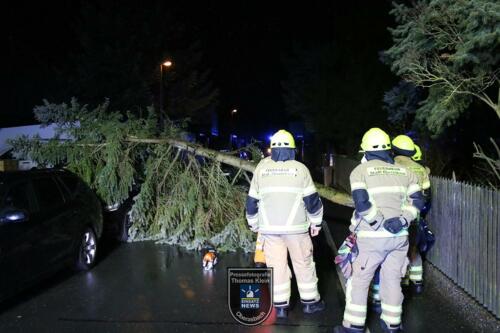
[(166, 64), (233, 112)]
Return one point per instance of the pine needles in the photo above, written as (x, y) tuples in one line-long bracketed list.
[(183, 199)]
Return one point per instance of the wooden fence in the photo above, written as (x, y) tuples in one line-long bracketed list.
[(466, 221)]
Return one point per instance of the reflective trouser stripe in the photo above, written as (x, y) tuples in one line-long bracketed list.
[(392, 308), (356, 320), (281, 292), (391, 314), (313, 295), (357, 308), (375, 292), (308, 291), (354, 314), (416, 273), (392, 320)]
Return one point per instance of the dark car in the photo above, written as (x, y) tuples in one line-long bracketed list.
[(48, 219), (117, 218)]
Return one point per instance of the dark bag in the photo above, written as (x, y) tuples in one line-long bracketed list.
[(425, 237), (347, 253)]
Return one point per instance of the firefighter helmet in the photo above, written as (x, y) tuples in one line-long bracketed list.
[(375, 139), (418, 154), (282, 139), (403, 142)]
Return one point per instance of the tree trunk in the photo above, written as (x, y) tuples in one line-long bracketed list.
[(326, 193)]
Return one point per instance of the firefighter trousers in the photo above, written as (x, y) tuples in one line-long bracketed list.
[(416, 269), (276, 249), (391, 255)]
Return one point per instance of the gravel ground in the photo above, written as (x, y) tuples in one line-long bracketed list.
[(463, 304)]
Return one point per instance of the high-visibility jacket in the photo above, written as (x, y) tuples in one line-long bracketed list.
[(419, 170), (380, 191), (282, 198)]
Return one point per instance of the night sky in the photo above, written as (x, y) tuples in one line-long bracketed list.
[(243, 44)]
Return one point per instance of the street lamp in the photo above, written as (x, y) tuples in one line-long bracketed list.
[(233, 112), (167, 64)]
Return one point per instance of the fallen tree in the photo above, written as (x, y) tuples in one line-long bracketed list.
[(184, 196)]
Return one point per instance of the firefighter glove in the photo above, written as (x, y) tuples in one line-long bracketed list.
[(395, 224)]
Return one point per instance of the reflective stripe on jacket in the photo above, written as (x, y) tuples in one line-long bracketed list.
[(381, 191), (419, 170), (282, 198)]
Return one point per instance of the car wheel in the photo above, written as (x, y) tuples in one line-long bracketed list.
[(87, 250), (124, 227)]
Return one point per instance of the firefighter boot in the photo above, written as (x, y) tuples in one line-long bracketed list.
[(391, 328), (281, 312), (376, 306), (342, 329), (313, 307), (418, 287)]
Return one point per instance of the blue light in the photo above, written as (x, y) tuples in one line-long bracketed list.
[(234, 136)]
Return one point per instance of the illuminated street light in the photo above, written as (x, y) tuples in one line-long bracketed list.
[(232, 128), (167, 64)]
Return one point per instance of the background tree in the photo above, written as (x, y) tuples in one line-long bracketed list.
[(451, 47), (336, 98), (336, 86), (401, 103)]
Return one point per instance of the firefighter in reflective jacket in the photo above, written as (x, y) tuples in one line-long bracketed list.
[(284, 206), (404, 149), (386, 197)]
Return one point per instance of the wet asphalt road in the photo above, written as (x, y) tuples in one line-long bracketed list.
[(144, 287)]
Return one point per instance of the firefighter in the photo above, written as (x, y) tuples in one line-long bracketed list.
[(404, 149), (426, 190), (418, 158), (284, 207), (386, 197)]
